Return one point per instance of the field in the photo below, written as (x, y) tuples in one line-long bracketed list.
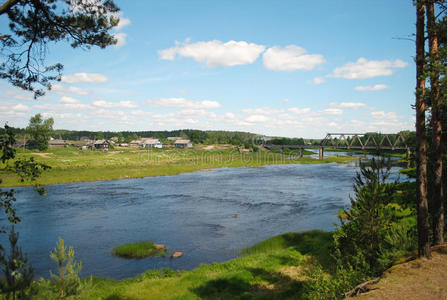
[(72, 165)]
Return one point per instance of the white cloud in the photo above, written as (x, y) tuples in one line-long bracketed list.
[(230, 116), (17, 94), (333, 111), (290, 58), (353, 105), (21, 107), (63, 106), (256, 119), (122, 23), (364, 68), (215, 53), (318, 80), (121, 104), (385, 115), (69, 100), (72, 89), (285, 101), (120, 38), (376, 87), (84, 77), (299, 111), (184, 103), (262, 111)]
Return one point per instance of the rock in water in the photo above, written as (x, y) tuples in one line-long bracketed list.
[(177, 254), (159, 246)]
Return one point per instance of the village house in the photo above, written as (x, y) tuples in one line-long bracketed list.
[(183, 144), (135, 143), (151, 143), (174, 138), (57, 143), (102, 145)]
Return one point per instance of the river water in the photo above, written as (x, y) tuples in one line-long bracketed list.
[(210, 215)]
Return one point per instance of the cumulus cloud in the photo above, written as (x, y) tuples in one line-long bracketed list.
[(333, 111), (58, 88), (353, 105), (385, 115), (121, 104), (299, 111), (69, 100), (256, 119), (183, 103), (120, 38), (262, 111), (285, 100), (17, 94), (318, 80), (290, 58), (21, 108), (62, 106), (122, 23), (364, 68), (84, 78), (215, 53), (376, 87)]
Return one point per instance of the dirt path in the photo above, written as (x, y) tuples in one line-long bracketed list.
[(416, 279), (44, 155)]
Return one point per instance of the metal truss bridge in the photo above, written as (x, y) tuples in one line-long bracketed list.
[(356, 141)]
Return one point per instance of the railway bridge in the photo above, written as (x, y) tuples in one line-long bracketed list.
[(355, 141)]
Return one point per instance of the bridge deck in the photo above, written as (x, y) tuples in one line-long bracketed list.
[(337, 147)]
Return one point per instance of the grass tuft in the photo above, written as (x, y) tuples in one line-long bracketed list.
[(138, 250)]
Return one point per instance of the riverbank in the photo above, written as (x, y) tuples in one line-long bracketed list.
[(273, 269), (73, 165)]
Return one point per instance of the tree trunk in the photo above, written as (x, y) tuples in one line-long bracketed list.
[(437, 189), (421, 139)]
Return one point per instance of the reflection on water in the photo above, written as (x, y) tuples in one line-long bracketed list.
[(209, 215)]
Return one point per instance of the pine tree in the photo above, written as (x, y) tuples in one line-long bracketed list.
[(18, 274)]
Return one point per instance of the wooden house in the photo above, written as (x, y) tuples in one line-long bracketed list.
[(151, 143), (183, 144), (101, 145)]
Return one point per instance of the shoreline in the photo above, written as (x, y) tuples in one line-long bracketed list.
[(50, 178)]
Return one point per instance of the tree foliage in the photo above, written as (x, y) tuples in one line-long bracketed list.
[(68, 269), (33, 24), (40, 130), (376, 229), (18, 274)]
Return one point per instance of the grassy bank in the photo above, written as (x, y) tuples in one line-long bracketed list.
[(71, 164), (272, 269), (138, 250)]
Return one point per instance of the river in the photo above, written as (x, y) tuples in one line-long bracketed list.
[(210, 215)]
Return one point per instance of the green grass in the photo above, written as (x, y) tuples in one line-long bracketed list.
[(71, 164), (272, 269), (138, 250)]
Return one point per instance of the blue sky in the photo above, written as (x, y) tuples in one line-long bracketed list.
[(284, 68)]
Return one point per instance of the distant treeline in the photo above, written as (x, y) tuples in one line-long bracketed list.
[(196, 136)]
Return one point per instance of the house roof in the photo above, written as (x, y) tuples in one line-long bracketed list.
[(150, 141), (182, 141), (100, 142), (56, 142)]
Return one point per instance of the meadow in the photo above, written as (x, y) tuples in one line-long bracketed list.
[(74, 165)]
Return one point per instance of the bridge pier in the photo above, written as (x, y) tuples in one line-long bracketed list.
[(321, 153), (301, 152)]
